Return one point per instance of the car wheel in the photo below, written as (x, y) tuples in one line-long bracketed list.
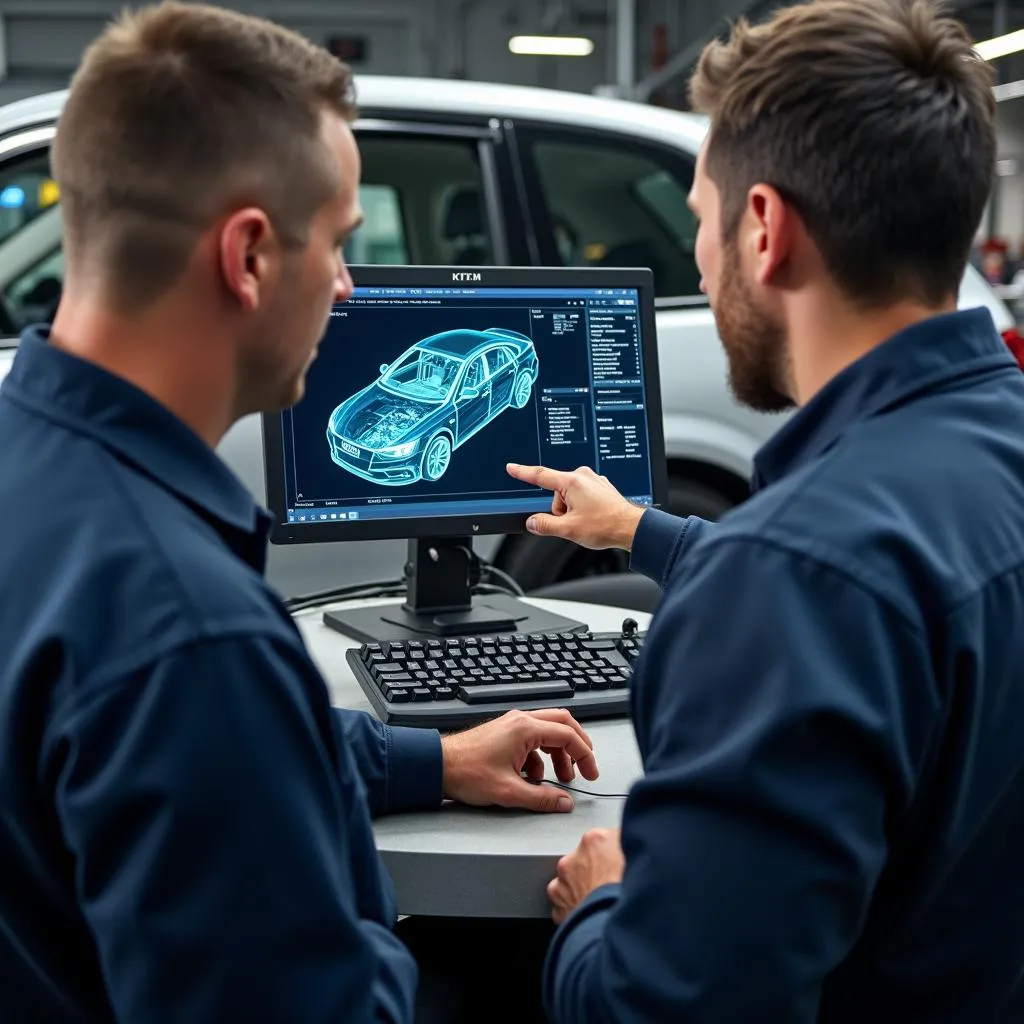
[(689, 498), (521, 392), (436, 457), (539, 561)]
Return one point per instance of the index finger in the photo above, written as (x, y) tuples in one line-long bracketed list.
[(564, 717), (541, 476), (554, 734)]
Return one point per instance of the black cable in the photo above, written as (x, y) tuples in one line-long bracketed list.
[(360, 591), (511, 585), (480, 574), (575, 789)]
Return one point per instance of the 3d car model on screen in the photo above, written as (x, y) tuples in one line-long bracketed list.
[(433, 398)]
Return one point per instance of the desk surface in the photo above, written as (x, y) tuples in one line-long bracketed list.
[(487, 862)]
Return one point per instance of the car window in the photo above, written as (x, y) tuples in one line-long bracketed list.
[(26, 191), (423, 200), (381, 239), (616, 205), (31, 262), (422, 374), (475, 374), (497, 359), (32, 297)]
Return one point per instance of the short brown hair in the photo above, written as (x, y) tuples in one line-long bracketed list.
[(179, 112), (875, 119)]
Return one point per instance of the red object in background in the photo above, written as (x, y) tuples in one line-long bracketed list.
[(1015, 343), (659, 46), (659, 58), (994, 254)]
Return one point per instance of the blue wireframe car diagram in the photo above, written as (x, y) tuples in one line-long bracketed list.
[(405, 425)]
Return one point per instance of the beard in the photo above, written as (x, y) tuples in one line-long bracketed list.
[(754, 341)]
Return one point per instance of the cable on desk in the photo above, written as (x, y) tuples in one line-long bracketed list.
[(575, 789)]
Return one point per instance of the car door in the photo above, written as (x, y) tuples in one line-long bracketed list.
[(502, 370), (472, 399)]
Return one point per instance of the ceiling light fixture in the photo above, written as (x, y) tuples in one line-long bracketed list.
[(1008, 90), (552, 46), (1001, 46)]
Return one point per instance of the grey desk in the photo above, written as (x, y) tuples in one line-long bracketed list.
[(487, 862)]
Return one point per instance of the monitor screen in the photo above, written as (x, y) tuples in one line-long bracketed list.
[(429, 380)]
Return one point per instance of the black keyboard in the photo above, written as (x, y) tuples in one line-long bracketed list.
[(455, 681)]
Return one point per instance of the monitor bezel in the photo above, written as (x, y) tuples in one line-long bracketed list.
[(413, 527)]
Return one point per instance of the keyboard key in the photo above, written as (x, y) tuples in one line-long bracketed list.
[(395, 678), (444, 693), (390, 666), (556, 689), (399, 696), (422, 693)]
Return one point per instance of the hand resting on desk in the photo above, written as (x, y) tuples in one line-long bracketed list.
[(485, 765)]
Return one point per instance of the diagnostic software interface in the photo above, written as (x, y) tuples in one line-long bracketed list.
[(420, 396)]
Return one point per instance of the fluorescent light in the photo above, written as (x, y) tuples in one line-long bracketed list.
[(552, 46), (1007, 168), (1001, 46), (1008, 90)]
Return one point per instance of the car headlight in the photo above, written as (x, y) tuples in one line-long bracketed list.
[(398, 451)]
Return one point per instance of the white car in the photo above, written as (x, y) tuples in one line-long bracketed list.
[(466, 173)]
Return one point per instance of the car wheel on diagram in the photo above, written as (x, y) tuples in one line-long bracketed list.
[(521, 392), (436, 457)]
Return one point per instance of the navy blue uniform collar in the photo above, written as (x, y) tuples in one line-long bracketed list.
[(919, 359), (125, 420)]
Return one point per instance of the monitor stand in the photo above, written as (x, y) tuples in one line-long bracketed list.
[(439, 602)]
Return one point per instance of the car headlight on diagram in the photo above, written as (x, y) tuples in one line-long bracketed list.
[(397, 451)]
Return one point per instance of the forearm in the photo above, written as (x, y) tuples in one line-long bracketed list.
[(662, 541), (402, 769), (572, 989)]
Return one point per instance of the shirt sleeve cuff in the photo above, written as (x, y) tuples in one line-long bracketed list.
[(415, 770), (658, 537), (580, 933)]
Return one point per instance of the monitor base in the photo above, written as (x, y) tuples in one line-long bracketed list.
[(489, 615)]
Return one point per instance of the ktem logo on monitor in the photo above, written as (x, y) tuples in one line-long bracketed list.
[(439, 393)]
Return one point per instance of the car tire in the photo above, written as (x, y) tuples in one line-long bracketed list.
[(690, 498), (540, 561), (521, 391), (437, 456)]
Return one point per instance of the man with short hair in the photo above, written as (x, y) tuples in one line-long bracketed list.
[(184, 819), (830, 703)]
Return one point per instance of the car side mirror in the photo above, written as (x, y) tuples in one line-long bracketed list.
[(384, 367)]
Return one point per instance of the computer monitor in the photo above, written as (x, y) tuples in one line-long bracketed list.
[(428, 380)]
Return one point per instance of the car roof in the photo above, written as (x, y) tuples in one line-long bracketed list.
[(458, 343), (383, 93)]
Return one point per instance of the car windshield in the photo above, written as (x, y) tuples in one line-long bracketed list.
[(423, 375)]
